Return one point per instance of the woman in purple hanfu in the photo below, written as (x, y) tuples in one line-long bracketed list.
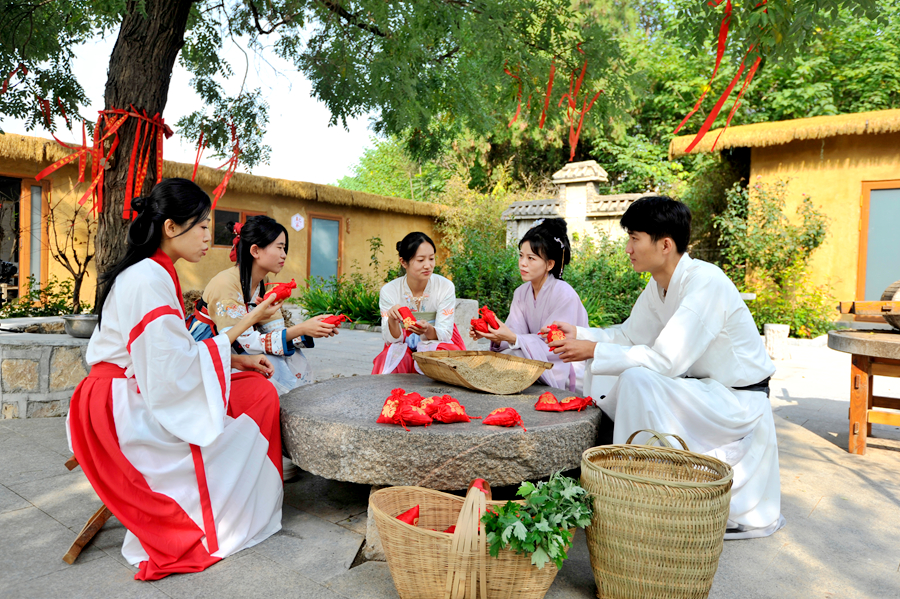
[(544, 298)]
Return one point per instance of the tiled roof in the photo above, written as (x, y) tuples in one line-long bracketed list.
[(531, 209), (612, 205)]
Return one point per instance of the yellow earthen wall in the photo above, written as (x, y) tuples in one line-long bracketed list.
[(359, 224), (832, 172)]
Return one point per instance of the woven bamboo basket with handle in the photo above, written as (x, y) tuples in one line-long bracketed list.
[(426, 564), (524, 371), (659, 519)]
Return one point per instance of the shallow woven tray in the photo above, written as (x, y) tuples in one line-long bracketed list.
[(432, 364)]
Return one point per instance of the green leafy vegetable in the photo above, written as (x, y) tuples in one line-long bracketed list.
[(541, 526)]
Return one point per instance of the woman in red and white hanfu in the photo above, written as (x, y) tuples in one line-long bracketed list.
[(432, 300), (186, 455)]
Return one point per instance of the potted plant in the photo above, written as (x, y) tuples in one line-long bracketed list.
[(543, 525)]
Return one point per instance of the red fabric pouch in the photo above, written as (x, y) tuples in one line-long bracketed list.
[(411, 415), (389, 411), (547, 402), (480, 325), (576, 403), (410, 516), (504, 417), (431, 404), (554, 334), (451, 411), (408, 318), (489, 317), (336, 319)]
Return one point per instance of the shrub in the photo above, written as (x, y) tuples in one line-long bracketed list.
[(602, 275), (54, 299), (485, 271), (765, 253), (354, 295)]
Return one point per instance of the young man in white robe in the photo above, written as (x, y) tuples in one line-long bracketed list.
[(689, 361)]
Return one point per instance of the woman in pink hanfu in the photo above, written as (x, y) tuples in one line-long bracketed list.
[(544, 298), (184, 453), (432, 300)]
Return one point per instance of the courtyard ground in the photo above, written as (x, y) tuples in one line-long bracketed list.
[(840, 540)]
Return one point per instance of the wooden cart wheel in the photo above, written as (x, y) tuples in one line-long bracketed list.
[(892, 294)]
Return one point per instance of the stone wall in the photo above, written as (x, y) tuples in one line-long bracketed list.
[(38, 374)]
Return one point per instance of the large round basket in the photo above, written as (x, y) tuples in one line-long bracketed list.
[(659, 520), (426, 564), (510, 374)]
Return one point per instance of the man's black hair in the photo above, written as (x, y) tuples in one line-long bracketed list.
[(659, 217)]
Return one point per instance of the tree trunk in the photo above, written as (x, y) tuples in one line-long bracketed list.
[(76, 293), (139, 72)]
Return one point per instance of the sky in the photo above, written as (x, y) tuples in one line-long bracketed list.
[(304, 147)]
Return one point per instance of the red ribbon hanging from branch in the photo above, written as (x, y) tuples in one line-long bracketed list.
[(6, 81), (108, 124), (200, 147), (572, 107), (549, 91), (720, 52), (737, 100), (518, 95), (231, 165)]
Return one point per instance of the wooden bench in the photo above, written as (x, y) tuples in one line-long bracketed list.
[(91, 528)]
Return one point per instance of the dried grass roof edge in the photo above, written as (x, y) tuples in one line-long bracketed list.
[(44, 152), (760, 135)]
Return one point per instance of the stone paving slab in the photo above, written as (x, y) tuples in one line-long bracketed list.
[(840, 540)]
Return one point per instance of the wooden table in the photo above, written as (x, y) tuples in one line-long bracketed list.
[(873, 352)]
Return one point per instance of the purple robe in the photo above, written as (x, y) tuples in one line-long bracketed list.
[(527, 315)]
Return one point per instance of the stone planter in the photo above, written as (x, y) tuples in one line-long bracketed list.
[(776, 340)]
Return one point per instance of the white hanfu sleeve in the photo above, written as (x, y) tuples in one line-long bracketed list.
[(697, 321), (443, 321), (185, 384), (387, 299), (640, 328)]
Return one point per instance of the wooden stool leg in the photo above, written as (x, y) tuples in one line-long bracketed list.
[(93, 526), (860, 400)]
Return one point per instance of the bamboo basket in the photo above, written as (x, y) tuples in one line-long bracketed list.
[(431, 363), (436, 565), (659, 519)]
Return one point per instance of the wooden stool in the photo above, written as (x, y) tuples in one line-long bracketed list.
[(91, 528)]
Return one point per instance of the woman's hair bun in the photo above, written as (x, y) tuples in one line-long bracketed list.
[(558, 224), (399, 245), (139, 204)]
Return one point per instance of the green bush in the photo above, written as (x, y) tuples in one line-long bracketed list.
[(765, 253), (354, 295), (484, 270), (602, 275), (54, 299)]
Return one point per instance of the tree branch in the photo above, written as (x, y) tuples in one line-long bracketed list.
[(351, 18)]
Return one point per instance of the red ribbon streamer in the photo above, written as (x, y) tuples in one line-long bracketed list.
[(231, 165), (200, 148), (715, 111), (13, 72), (518, 96), (549, 91), (737, 100), (572, 107), (720, 52)]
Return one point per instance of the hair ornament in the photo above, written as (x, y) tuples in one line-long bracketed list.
[(537, 223), (561, 244), (237, 237)]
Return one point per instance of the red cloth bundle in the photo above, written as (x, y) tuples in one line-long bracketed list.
[(577, 403), (554, 334), (479, 325), (547, 402), (431, 404), (489, 317), (410, 516), (282, 291), (504, 417), (408, 318), (336, 319), (451, 411), (403, 408)]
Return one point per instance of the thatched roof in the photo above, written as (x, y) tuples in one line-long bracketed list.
[(43, 152), (781, 132)]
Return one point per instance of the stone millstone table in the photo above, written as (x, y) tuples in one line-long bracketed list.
[(329, 429), (873, 352)]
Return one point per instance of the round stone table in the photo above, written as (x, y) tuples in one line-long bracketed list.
[(329, 429), (873, 352)]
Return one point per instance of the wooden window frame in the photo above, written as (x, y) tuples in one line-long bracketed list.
[(864, 199), (25, 225), (245, 214), (340, 219)]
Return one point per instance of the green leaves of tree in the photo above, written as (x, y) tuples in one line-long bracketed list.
[(541, 526)]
